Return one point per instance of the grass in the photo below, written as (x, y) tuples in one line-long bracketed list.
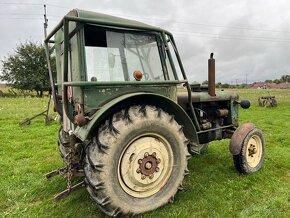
[(213, 188)]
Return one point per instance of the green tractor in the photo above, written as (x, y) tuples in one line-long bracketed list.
[(130, 120)]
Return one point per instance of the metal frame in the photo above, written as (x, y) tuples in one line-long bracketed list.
[(65, 24)]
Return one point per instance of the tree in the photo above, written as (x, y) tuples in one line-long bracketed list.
[(205, 82), (26, 69), (285, 78)]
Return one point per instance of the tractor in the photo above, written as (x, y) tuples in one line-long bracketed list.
[(130, 119)]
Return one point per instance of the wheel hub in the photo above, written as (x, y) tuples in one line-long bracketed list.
[(145, 165), (254, 151), (148, 165)]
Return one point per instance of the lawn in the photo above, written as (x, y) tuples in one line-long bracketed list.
[(212, 189)]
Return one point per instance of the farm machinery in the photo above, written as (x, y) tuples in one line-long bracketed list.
[(125, 127)]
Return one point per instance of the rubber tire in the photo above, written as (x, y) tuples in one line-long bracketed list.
[(240, 160), (63, 144), (102, 158)]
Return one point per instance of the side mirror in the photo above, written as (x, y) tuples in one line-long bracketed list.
[(245, 104), (111, 60)]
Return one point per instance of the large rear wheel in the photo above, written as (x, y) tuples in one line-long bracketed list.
[(136, 162)]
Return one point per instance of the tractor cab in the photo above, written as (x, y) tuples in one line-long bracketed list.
[(100, 57)]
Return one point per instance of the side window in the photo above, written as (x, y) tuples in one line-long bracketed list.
[(172, 49)]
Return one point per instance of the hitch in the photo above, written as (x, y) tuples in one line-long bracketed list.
[(68, 191), (69, 173)]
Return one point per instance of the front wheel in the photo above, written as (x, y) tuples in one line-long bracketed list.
[(251, 157), (136, 162)]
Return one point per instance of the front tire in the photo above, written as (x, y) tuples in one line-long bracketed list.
[(251, 157), (136, 162)]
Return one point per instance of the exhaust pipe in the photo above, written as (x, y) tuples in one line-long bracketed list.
[(211, 75)]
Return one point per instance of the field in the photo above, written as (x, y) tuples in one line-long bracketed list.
[(212, 189)]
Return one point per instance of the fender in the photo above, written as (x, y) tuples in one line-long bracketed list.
[(168, 105), (238, 137)]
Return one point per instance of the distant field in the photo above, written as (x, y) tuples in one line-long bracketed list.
[(213, 188)]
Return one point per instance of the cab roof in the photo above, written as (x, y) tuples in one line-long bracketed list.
[(109, 20)]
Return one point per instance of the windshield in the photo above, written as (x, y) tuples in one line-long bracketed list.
[(115, 56)]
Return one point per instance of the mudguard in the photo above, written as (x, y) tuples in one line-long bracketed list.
[(239, 136), (168, 105)]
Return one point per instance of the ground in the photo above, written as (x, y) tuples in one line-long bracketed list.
[(212, 189)]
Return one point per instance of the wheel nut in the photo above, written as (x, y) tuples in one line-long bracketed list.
[(153, 154), (139, 161), (138, 170), (151, 176), (146, 154), (143, 177), (158, 160), (157, 169)]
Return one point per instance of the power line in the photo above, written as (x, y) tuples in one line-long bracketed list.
[(32, 4), (217, 36), (204, 24), (164, 19), (185, 33)]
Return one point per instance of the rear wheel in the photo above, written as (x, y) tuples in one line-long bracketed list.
[(63, 144), (252, 152), (136, 162), (65, 149)]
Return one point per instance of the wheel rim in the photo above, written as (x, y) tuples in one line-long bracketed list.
[(145, 165), (254, 151)]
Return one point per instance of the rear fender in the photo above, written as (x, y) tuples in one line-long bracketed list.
[(171, 107), (239, 136)]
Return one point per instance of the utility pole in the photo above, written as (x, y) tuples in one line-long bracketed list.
[(45, 22), (246, 79)]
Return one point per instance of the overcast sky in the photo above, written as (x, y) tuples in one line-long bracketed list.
[(250, 39)]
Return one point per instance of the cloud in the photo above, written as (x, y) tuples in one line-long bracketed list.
[(230, 29)]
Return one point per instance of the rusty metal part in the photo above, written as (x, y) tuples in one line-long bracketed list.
[(238, 137), (80, 120), (60, 171), (148, 165), (222, 112), (63, 171), (252, 150), (211, 75), (67, 192)]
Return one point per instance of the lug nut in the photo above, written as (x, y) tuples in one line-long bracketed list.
[(157, 169), (138, 170), (146, 154), (153, 154), (158, 160), (143, 177), (151, 176), (139, 161)]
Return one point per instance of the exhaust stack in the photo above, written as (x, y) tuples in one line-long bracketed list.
[(211, 75)]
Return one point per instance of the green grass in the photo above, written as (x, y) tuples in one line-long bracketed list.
[(213, 188)]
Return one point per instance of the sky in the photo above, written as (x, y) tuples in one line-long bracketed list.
[(250, 39)]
